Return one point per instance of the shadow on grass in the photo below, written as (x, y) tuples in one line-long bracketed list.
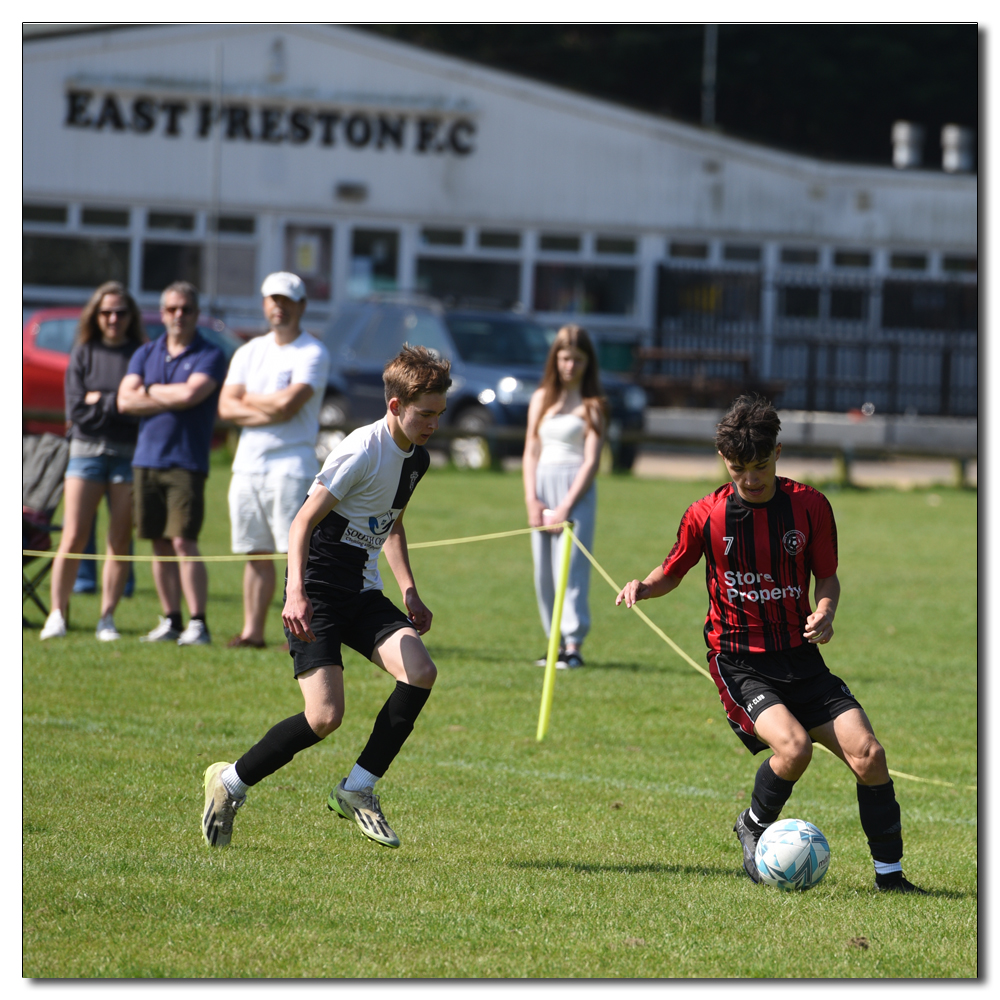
[(585, 867)]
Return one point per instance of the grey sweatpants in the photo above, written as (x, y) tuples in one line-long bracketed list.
[(552, 483)]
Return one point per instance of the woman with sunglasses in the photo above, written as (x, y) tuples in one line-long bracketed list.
[(102, 442)]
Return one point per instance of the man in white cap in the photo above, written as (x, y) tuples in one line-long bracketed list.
[(274, 391)]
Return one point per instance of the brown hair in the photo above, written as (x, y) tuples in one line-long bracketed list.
[(749, 430), (413, 372), (88, 331), (569, 337)]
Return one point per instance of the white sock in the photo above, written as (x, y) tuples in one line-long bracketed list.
[(359, 779), (888, 867), (234, 784)]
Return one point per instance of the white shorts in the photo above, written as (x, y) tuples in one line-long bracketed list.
[(261, 509)]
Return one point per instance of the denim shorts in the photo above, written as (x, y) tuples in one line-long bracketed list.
[(100, 468)]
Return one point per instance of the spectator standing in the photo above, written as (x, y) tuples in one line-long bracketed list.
[(102, 442), (173, 386), (562, 452), (273, 391)]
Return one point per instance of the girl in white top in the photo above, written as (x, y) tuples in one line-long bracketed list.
[(562, 451)]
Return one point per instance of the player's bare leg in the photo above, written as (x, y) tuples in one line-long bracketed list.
[(851, 737), (323, 691)]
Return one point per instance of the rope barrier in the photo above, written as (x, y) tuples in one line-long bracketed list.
[(459, 541)]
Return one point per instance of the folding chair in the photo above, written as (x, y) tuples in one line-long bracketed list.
[(44, 458)]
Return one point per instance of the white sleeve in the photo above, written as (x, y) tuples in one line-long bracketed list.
[(343, 469), (311, 367), (238, 366)]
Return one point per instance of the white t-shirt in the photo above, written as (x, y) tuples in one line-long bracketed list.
[(265, 367), (373, 480)]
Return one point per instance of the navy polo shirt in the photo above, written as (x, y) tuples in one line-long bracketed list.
[(178, 438)]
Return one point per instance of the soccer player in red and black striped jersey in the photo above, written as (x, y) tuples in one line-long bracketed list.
[(763, 538)]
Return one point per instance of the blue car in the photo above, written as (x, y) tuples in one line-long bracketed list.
[(497, 361)]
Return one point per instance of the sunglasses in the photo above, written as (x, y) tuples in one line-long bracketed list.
[(185, 310), (113, 312)]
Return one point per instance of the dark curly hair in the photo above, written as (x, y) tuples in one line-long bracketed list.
[(749, 430)]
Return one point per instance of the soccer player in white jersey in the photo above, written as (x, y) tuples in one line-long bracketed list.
[(333, 595)]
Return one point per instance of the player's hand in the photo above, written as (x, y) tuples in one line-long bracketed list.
[(633, 591), (819, 628), (419, 613), (556, 517), (297, 615)]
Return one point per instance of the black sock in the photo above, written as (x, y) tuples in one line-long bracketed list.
[(392, 725), (200, 618), (278, 746), (770, 793), (175, 621), (879, 812)]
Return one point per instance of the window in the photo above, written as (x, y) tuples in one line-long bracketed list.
[(374, 259), (807, 256), (799, 303), (702, 298), (73, 263), (180, 221), (740, 252), (57, 335), (909, 262), (44, 213), (114, 217), (242, 225), (309, 254), (615, 244), (966, 265), (391, 327), (165, 263), (237, 269), (568, 288), (442, 237), (848, 303), (562, 244), (852, 258), (927, 305), (485, 282), (689, 251), (499, 341), (496, 240)]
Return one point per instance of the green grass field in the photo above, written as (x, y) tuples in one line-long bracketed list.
[(604, 851)]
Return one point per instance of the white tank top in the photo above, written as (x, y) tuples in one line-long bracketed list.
[(562, 437)]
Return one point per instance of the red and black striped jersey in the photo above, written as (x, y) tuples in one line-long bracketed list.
[(758, 562)]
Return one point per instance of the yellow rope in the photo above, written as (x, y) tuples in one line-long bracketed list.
[(458, 541)]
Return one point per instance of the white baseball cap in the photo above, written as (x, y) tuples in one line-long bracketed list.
[(284, 283)]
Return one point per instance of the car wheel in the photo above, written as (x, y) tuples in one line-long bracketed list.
[(472, 451), (333, 412)]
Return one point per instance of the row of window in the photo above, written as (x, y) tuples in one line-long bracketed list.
[(511, 240)]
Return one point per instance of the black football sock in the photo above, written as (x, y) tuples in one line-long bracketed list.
[(278, 746), (770, 793), (392, 725), (174, 617), (879, 812)]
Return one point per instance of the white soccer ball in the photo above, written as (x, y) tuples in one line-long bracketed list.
[(792, 854)]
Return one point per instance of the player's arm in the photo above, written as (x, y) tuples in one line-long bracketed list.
[(656, 584), (529, 466), (283, 404), (183, 395), (398, 556), (134, 399), (233, 407), (298, 610), (819, 625)]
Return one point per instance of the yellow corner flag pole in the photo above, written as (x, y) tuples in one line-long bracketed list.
[(555, 631)]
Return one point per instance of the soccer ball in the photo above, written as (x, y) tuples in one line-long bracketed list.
[(792, 854)]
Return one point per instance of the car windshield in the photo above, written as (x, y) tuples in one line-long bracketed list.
[(489, 341), (56, 335)]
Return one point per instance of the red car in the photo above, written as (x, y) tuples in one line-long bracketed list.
[(47, 340)]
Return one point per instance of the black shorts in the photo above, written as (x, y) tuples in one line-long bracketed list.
[(361, 621), (750, 682)]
